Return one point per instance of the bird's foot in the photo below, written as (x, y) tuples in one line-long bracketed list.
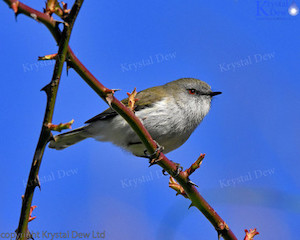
[(153, 158), (177, 171)]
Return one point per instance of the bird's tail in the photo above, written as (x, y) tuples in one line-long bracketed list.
[(67, 139)]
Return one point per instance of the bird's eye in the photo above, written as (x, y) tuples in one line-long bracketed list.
[(192, 91)]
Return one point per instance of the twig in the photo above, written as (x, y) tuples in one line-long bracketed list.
[(134, 122), (132, 100), (195, 165), (250, 234), (179, 189), (51, 91), (61, 126)]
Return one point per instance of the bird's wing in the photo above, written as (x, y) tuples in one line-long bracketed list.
[(144, 100)]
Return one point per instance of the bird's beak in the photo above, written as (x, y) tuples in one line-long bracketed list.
[(214, 93)]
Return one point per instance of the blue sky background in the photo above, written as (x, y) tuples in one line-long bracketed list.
[(246, 49)]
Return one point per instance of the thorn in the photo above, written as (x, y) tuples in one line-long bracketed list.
[(109, 98), (48, 57), (31, 210), (46, 88), (110, 95), (191, 205), (69, 65), (194, 184), (111, 91), (115, 90), (29, 235), (37, 182)]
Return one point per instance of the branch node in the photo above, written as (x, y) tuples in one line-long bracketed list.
[(178, 188), (222, 227), (52, 6), (195, 165), (60, 127)]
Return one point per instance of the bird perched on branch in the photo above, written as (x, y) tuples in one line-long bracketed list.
[(170, 113)]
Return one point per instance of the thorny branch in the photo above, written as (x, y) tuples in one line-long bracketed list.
[(51, 91), (107, 95)]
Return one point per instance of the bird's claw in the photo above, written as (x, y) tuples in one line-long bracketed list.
[(153, 159), (176, 172), (164, 172)]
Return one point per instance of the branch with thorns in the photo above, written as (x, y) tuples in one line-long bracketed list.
[(66, 54)]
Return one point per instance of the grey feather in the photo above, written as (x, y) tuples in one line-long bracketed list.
[(65, 140)]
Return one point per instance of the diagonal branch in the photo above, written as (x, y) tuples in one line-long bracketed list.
[(51, 91), (107, 95)]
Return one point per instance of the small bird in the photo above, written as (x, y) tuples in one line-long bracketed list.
[(170, 113)]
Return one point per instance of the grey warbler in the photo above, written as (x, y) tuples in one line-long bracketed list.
[(170, 113)]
